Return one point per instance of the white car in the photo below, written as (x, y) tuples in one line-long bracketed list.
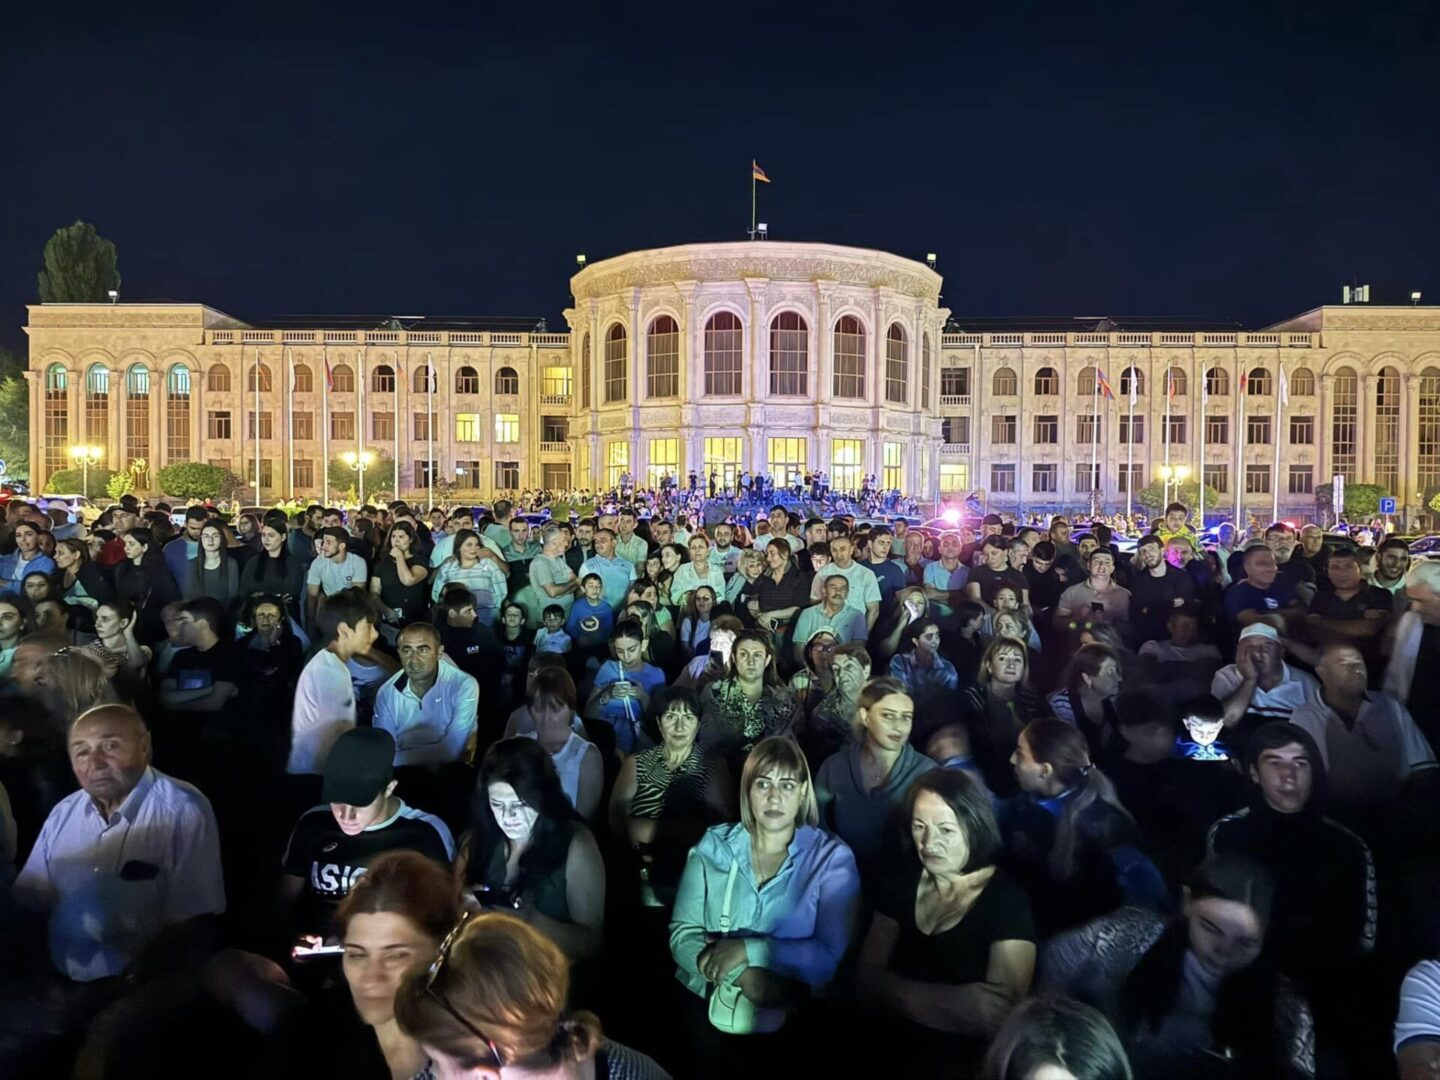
[(77, 506)]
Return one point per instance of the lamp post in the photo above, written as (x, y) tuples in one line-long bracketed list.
[(1176, 474), (86, 456), (359, 463)]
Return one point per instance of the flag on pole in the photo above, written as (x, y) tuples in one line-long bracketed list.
[(1134, 379), (757, 173), (1244, 381), (1104, 385), (329, 378), (1170, 384), (1284, 387)]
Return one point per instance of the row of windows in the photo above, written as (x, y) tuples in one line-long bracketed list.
[(219, 425), (786, 456), (468, 473), (1257, 382), (723, 343), (1046, 429), (1044, 479), (554, 381)]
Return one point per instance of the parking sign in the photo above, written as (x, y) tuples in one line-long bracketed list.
[(1387, 506)]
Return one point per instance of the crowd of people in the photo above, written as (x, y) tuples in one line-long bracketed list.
[(448, 793)]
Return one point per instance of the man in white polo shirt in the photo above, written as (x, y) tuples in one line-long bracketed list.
[(335, 571), (429, 705), (864, 585), (1260, 685)]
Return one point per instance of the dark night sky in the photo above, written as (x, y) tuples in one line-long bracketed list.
[(1233, 163)]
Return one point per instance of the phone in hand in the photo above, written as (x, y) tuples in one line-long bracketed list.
[(305, 950), (1097, 608)]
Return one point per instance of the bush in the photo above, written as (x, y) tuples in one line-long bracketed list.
[(1363, 500), (71, 481), (196, 480), (122, 483)]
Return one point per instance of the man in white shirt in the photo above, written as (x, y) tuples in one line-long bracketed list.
[(1260, 684), (324, 695), (864, 585), (429, 705), (335, 570), (444, 545), (131, 854), (779, 527)]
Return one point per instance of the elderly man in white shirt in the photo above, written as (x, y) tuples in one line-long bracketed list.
[(864, 585), (131, 854), (429, 705)]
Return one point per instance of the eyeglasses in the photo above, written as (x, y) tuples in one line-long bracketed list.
[(433, 973)]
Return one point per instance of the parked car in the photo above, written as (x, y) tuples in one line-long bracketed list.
[(77, 506)]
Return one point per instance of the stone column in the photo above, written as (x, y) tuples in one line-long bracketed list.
[(1322, 431), (824, 341), (115, 448), (1409, 445), (156, 406), (38, 474), (757, 369), (1365, 463), (636, 386)]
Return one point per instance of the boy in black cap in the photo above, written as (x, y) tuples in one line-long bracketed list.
[(332, 845)]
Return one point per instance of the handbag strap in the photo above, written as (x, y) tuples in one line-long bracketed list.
[(729, 895)]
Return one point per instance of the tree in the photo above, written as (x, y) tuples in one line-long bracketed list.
[(1363, 500), (379, 477), (92, 483), (12, 365), (120, 484), (1154, 501), (15, 427), (79, 267), (196, 480)]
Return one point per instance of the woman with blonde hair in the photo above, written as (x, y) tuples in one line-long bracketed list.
[(997, 708), (493, 1004)]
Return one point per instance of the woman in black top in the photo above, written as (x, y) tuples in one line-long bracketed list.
[(780, 592), (399, 579), (275, 572), (951, 947), (144, 580), (997, 710)]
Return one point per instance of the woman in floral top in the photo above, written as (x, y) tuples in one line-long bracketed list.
[(750, 703)]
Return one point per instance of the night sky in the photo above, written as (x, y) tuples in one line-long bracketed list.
[(1235, 163)]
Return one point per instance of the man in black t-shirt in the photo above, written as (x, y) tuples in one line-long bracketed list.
[(469, 643), (205, 674), (984, 580), (332, 845), (1043, 578), (1351, 611), (1156, 589)]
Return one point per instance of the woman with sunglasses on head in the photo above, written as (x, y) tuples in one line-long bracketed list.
[(492, 1005)]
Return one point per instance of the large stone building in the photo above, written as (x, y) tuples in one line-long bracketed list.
[(770, 356)]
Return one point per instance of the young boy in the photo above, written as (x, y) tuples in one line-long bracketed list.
[(552, 636), (591, 618), (324, 696)]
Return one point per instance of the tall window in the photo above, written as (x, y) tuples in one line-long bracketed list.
[(1047, 382), (421, 425), (1002, 479), (1218, 477), (467, 473), (303, 426), (467, 381), (263, 371), (467, 427), (1132, 429), (662, 359), (425, 472), (304, 379), (724, 354), (555, 476), (664, 460), (954, 385), (1258, 384), (1043, 480), (177, 414), (97, 404), (1302, 431), (955, 429), (892, 469), (382, 426), (506, 381), (1132, 375), (897, 365), (267, 472), (849, 359), (554, 429), (1387, 430), (1178, 385), (1257, 479), (722, 456), (1302, 480), (507, 427), (137, 412), (785, 457), (1302, 382), (424, 380), (585, 371), (1087, 477), (925, 372), (217, 425), (954, 477), (382, 379), (1087, 429), (847, 464), (1427, 472), (1257, 430), (267, 425), (555, 384), (1005, 384), (1217, 384), (507, 475), (789, 354), (304, 473), (1177, 431), (57, 418), (617, 382), (217, 379), (1130, 478), (1002, 429), (617, 461), (1087, 383), (1217, 430), (1344, 426), (1047, 429), (342, 378), (342, 426)]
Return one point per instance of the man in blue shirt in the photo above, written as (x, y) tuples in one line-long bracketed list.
[(179, 551), (1263, 595), (945, 579), (616, 573), (890, 574)]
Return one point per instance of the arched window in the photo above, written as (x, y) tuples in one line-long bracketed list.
[(617, 377), (304, 379), (925, 371), (1257, 383), (467, 381), (177, 415), (137, 381), (897, 365), (662, 359), (1178, 386), (137, 412), (382, 379), (264, 376), (1427, 473), (849, 360), (585, 371), (1129, 375), (423, 381), (1087, 383), (789, 354), (506, 381), (342, 379), (56, 418), (1345, 423), (1302, 382), (97, 404), (217, 379), (1217, 382), (1047, 381), (724, 354), (1005, 384)]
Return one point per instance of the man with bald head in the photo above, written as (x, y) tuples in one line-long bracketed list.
[(131, 854)]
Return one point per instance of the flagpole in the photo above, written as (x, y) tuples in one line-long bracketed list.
[(752, 200), (290, 418), (430, 426), (1281, 394), (325, 425), (360, 424), (1095, 446), (395, 427), (1130, 454), (257, 425), (1169, 386), (1240, 459), (1200, 441)]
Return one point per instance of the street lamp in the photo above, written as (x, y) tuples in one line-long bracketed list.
[(1176, 474), (86, 456), (359, 463)]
